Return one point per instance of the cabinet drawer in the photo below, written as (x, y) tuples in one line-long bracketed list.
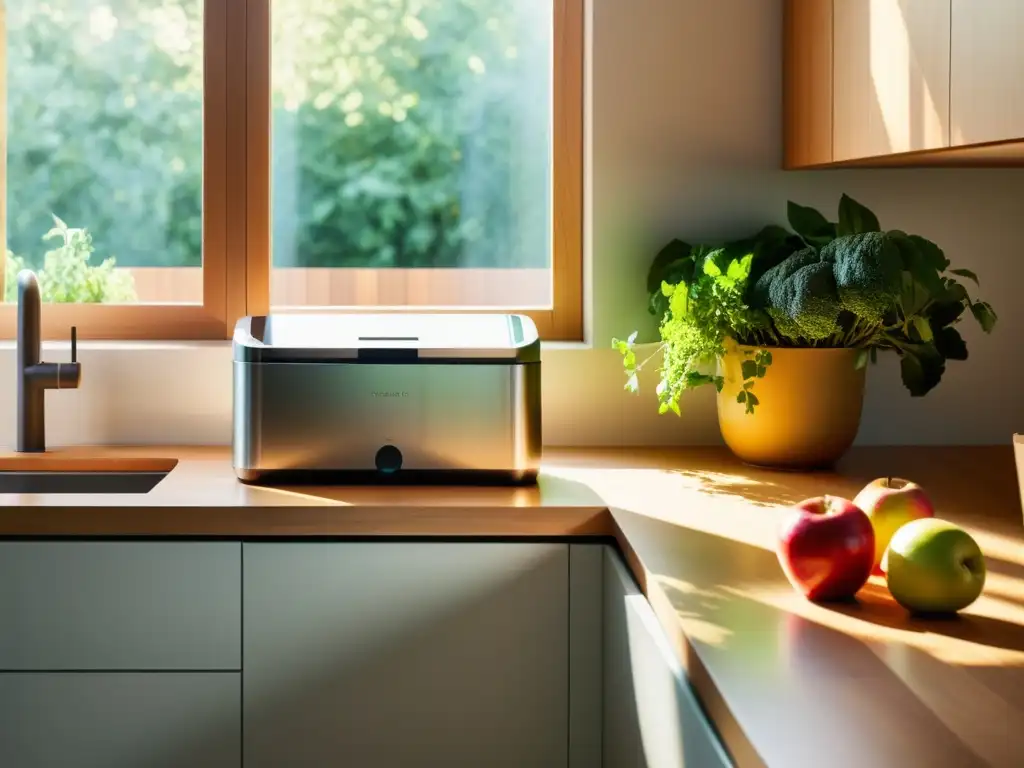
[(120, 606), (120, 720)]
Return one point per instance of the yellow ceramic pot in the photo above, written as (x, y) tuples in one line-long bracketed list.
[(809, 407)]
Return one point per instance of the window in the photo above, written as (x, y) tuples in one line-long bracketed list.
[(110, 178), (291, 156)]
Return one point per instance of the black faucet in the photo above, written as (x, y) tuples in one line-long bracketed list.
[(35, 376)]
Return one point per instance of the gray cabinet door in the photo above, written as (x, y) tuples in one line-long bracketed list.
[(651, 717), (120, 720), (128, 605), (405, 654)]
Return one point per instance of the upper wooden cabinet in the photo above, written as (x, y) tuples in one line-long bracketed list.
[(987, 76), (903, 82), (890, 77)]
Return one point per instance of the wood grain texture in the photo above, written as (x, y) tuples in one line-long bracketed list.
[(1000, 154), (807, 83), (987, 62), (83, 460), (862, 683), (891, 77)]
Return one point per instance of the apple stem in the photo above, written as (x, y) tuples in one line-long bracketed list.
[(888, 482)]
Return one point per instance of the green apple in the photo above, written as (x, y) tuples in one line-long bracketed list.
[(934, 566)]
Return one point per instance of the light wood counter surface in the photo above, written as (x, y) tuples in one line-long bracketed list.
[(786, 682)]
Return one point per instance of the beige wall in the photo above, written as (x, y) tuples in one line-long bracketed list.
[(685, 139)]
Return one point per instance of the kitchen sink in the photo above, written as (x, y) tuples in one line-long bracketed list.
[(79, 482)]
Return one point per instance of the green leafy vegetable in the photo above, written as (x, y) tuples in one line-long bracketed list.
[(868, 272), (855, 219), (847, 284), (815, 229)]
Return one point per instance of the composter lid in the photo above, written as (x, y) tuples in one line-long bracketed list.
[(395, 337)]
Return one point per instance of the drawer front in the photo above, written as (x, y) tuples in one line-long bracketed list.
[(120, 720), (392, 655), (120, 606)]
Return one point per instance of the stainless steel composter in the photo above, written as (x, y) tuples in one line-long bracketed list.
[(371, 397)]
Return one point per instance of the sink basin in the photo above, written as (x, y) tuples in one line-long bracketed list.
[(79, 482)]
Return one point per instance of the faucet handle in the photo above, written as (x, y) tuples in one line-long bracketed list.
[(74, 344)]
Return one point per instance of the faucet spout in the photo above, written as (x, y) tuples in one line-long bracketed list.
[(35, 376)]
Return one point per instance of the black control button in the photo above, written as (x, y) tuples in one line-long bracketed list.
[(389, 459)]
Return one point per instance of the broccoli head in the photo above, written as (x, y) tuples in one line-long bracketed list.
[(808, 300), (800, 296), (761, 291), (868, 272)]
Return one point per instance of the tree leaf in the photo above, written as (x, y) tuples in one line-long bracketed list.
[(739, 269), (861, 360), (719, 383), (921, 366), (984, 314), (943, 313), (749, 369), (923, 328), (741, 397), (955, 292), (855, 219), (632, 383), (931, 252), (921, 269), (674, 256), (966, 273), (950, 344), (807, 222), (696, 379), (710, 267)]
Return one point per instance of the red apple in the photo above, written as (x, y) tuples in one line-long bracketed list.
[(826, 548), (890, 503)]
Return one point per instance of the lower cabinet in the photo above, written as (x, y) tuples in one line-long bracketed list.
[(651, 716), (120, 720), (405, 654), (322, 654)]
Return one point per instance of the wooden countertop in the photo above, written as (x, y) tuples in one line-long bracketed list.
[(786, 682)]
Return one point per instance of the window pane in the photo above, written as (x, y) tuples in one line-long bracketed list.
[(411, 152), (104, 132)]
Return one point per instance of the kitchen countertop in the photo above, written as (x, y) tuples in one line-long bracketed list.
[(786, 682)]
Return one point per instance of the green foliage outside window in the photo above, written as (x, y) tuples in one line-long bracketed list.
[(406, 132), (65, 274)]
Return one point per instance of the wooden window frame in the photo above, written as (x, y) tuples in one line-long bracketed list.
[(205, 320), (236, 196)]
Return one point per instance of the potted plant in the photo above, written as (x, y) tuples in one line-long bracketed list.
[(783, 325)]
